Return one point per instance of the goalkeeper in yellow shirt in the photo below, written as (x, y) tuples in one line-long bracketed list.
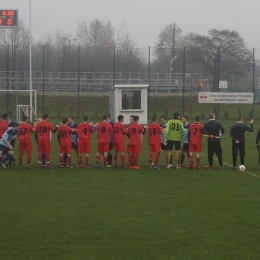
[(173, 133)]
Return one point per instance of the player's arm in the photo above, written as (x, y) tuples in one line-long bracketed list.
[(144, 129), (257, 137), (232, 134), (251, 128), (5, 138), (54, 130), (221, 129)]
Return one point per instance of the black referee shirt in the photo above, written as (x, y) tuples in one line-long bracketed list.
[(237, 131)]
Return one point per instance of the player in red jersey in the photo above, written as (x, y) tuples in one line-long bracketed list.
[(154, 140), (135, 132), (104, 130), (25, 144), (195, 140), (119, 141), (43, 128), (3, 124), (64, 137), (84, 131)]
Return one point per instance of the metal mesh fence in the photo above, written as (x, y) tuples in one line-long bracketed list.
[(75, 80)]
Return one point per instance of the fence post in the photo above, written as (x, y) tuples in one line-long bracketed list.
[(149, 80), (7, 80), (253, 105), (43, 78), (183, 79), (78, 78), (114, 66)]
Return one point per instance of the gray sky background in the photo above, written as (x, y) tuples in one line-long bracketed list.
[(143, 18)]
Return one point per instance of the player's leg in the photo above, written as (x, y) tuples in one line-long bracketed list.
[(79, 153), (150, 157), (47, 149), (12, 161), (157, 149), (234, 154), (61, 160), (178, 153), (190, 157), (115, 154), (105, 151), (242, 152), (21, 149), (28, 149), (9, 156), (99, 150), (40, 153), (183, 153), (169, 153), (210, 154), (87, 149), (218, 151), (109, 155), (198, 150), (135, 156)]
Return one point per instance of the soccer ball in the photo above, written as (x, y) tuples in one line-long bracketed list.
[(241, 168)]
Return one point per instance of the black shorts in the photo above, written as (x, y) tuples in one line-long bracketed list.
[(171, 143), (4, 149), (185, 147), (74, 146), (163, 147)]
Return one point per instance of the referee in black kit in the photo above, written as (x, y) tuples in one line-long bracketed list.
[(237, 133), (214, 130)]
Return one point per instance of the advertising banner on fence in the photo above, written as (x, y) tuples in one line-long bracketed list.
[(226, 97)]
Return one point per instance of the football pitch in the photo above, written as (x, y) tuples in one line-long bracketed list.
[(132, 214)]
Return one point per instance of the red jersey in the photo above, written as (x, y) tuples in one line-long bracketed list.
[(118, 133), (154, 133), (43, 129), (84, 131), (195, 132), (25, 131), (104, 130), (3, 127), (64, 135), (134, 131)]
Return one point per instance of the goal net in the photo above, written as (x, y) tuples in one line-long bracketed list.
[(17, 103)]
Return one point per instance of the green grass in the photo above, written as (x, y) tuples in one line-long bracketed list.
[(126, 214)]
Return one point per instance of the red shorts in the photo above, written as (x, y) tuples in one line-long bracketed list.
[(65, 149), (135, 149), (119, 147), (25, 145), (103, 147), (195, 148), (155, 148), (84, 146), (44, 146)]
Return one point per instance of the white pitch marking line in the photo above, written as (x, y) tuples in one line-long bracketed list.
[(250, 173)]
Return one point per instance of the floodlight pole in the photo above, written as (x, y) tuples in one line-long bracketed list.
[(30, 57), (171, 72)]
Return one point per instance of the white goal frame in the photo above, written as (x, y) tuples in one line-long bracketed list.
[(23, 109)]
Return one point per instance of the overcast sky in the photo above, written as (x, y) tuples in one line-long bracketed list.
[(143, 18)]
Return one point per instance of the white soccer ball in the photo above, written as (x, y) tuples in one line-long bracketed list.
[(241, 168)]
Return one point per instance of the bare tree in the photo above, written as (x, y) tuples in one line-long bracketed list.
[(14, 46), (221, 52)]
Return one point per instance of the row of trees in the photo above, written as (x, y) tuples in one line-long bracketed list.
[(221, 52)]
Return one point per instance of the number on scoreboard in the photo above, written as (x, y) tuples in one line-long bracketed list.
[(8, 18)]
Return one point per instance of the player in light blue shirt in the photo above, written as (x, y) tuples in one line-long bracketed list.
[(5, 144)]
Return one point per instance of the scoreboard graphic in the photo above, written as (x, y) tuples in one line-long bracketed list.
[(8, 18)]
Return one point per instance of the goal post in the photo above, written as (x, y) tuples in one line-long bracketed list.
[(20, 101)]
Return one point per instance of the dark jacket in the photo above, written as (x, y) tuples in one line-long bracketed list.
[(212, 127), (237, 131)]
